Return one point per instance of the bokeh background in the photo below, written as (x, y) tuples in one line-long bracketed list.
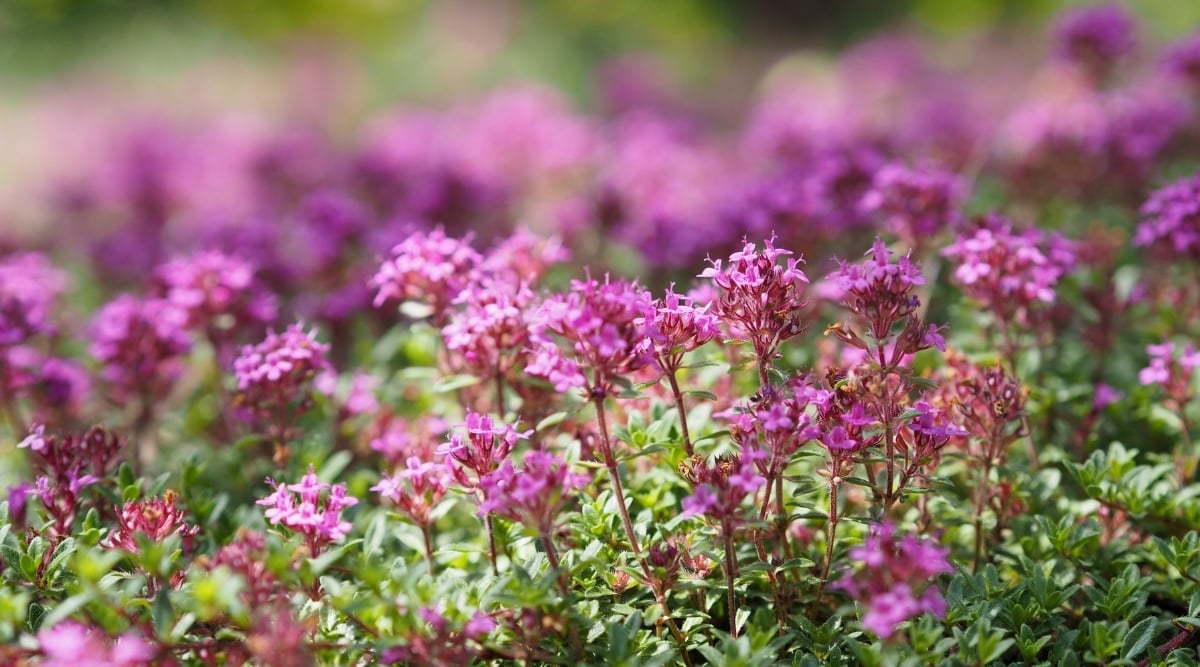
[(341, 60)]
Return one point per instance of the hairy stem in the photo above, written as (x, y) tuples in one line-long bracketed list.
[(611, 464), (425, 532), (683, 425), (830, 536), (491, 532), (730, 575), (980, 500)]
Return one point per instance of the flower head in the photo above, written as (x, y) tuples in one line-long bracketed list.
[(915, 203), (72, 644), (140, 344), (416, 489), (277, 374), (535, 495), (219, 292), (1012, 273), (311, 508), (604, 329), (1094, 37), (720, 486), (761, 300), (430, 268), (1171, 220), (29, 286), (156, 518), (894, 582)]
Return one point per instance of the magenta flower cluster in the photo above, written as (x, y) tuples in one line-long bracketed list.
[(416, 489), (72, 644), (604, 329), (1171, 220), (155, 519), (311, 508), (29, 286), (1095, 36), (219, 292), (895, 579), (1171, 368), (140, 343), (536, 495), (1012, 273), (915, 203), (431, 268), (761, 301), (275, 377)]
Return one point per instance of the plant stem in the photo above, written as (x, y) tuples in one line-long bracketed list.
[(890, 442), (730, 574), (428, 547), (830, 536), (683, 425), (980, 496), (499, 379), (611, 464), (491, 531), (675, 631)]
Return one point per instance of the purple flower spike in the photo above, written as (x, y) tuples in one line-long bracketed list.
[(895, 580)]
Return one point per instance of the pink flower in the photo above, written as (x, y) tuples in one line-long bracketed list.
[(305, 508), (219, 292), (534, 495), (29, 286), (915, 202), (894, 582), (430, 268), (71, 644), (416, 489), (592, 334), (140, 344), (155, 518), (760, 299)]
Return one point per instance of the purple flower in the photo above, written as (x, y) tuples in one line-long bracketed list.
[(838, 439), (430, 268), (895, 580), (1106, 396), (592, 334), (275, 377), (72, 644), (311, 508), (416, 489), (65, 464), (702, 501), (1094, 37), (720, 487), (155, 518), (1183, 61), (140, 344), (915, 203), (485, 446), (1013, 274), (1171, 220), (491, 330), (882, 294), (761, 300), (219, 292), (535, 495), (480, 624), (1171, 370), (29, 286)]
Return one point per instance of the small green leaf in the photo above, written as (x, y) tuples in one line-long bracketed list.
[(1140, 636)]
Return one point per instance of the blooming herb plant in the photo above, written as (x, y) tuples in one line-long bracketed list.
[(874, 398)]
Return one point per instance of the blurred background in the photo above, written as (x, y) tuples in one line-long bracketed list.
[(76, 75)]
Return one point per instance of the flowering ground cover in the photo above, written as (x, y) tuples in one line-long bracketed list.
[(896, 370)]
